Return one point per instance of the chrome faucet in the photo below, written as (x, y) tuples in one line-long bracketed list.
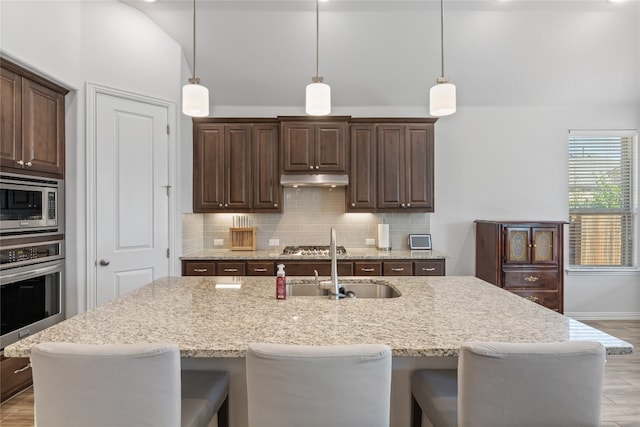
[(332, 285), (333, 253)]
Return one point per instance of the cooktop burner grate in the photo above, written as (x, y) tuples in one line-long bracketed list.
[(311, 250)]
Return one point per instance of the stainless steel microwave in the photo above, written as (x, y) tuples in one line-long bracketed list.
[(29, 204)]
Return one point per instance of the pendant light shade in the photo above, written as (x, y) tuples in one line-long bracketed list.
[(318, 98), (442, 96), (195, 97), (318, 94), (442, 99)]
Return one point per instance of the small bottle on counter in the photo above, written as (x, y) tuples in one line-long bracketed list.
[(281, 283)]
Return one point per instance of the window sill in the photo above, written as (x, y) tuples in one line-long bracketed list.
[(602, 271)]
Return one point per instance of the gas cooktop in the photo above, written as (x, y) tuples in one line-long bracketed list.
[(311, 250)]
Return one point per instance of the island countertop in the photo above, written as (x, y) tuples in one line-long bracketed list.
[(432, 317)]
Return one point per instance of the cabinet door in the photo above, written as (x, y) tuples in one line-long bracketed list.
[(330, 152), (267, 192), (230, 269), (42, 129), (208, 168), (238, 173), (418, 167), (298, 147), (545, 249), (433, 267), (391, 173), (397, 268), (362, 174), (10, 119), (517, 245)]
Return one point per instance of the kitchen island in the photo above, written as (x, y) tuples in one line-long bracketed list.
[(424, 326)]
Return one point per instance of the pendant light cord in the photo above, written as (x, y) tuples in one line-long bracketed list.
[(317, 36), (442, 36), (194, 39)]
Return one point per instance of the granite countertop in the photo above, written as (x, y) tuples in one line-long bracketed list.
[(432, 317), (276, 254)]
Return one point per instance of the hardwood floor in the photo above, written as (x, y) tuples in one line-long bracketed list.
[(621, 393)]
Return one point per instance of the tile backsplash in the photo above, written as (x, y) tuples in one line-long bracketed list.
[(308, 215)]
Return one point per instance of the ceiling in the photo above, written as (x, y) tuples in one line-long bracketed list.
[(387, 52)]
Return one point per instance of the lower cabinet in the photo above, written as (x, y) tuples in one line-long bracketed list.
[(15, 376), (431, 267)]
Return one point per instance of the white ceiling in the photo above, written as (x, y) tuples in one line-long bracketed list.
[(387, 52)]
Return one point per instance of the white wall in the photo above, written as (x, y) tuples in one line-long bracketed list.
[(75, 42)]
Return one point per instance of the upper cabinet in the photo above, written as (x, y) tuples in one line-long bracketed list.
[(392, 165), (32, 123), (235, 166), (314, 145)]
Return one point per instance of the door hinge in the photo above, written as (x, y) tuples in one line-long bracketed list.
[(168, 187), (168, 129), (167, 252)]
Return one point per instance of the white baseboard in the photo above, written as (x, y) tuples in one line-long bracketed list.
[(616, 315)]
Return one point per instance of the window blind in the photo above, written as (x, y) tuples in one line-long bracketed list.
[(602, 199)]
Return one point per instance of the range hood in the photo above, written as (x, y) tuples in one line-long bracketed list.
[(314, 180)]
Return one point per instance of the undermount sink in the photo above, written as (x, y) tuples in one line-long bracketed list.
[(354, 289)]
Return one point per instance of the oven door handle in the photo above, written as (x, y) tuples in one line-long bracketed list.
[(20, 275)]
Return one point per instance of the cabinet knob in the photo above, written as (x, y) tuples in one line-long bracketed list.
[(408, 205), (226, 205), (275, 205), (220, 205), (317, 167), (28, 164), (353, 205), (104, 262), (402, 204), (20, 162), (311, 167)]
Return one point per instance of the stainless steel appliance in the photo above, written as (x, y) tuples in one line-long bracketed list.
[(311, 250), (31, 289), (29, 205)]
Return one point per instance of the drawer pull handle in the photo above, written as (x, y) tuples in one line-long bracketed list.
[(531, 279), (259, 270), (368, 270), (200, 270), (230, 270), (398, 269), (17, 371), (428, 269), (532, 299)]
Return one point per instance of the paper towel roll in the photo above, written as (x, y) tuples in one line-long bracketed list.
[(383, 237)]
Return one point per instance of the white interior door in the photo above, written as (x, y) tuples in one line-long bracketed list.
[(132, 202)]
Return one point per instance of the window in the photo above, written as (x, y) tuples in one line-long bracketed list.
[(603, 199)]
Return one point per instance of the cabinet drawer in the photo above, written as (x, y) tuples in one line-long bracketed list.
[(11, 382), (305, 268), (260, 268), (230, 269), (367, 268), (398, 268), (428, 268), (198, 268), (531, 279), (546, 299)]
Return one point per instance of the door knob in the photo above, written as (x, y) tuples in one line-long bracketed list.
[(104, 262)]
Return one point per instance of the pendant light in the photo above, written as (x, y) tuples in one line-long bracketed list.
[(442, 96), (318, 93), (195, 97)]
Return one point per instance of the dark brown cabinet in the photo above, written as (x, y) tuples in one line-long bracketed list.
[(314, 146), (392, 165), (15, 376), (525, 258), (235, 166), (429, 267), (405, 167), (31, 123)]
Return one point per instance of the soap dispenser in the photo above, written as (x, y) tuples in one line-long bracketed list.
[(281, 283)]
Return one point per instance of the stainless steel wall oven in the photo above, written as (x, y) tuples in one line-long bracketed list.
[(31, 288)]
